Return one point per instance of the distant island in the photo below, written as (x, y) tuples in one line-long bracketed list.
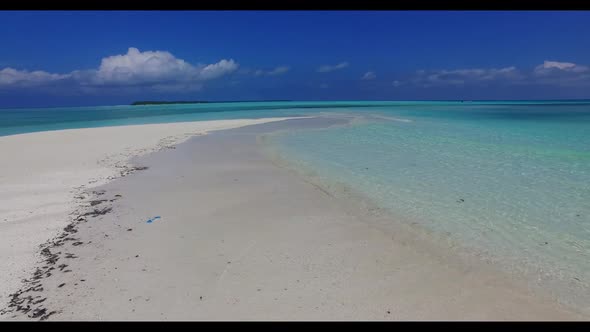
[(136, 103), (166, 102)]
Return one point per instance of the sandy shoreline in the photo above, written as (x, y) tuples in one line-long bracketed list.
[(242, 239), (43, 171)]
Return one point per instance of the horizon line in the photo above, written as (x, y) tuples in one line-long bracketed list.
[(171, 102)]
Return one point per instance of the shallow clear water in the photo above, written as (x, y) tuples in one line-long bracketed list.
[(509, 180)]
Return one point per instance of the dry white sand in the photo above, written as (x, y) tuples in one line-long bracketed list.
[(242, 239), (41, 172)]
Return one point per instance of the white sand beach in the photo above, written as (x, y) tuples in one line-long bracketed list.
[(238, 238), (42, 172)]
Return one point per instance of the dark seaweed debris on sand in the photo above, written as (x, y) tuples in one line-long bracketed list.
[(97, 201), (126, 170), (96, 212), (27, 299)]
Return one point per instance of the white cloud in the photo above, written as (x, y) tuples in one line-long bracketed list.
[(397, 83), (276, 71), (324, 86), (463, 76), (549, 66), (561, 73), (549, 73), (329, 68), (369, 76), (218, 69), (23, 78), (137, 67), (148, 66), (156, 69), (279, 70)]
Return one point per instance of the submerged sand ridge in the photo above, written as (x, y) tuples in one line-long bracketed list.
[(42, 173), (239, 238)]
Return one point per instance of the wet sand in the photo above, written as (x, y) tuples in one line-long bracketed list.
[(240, 238)]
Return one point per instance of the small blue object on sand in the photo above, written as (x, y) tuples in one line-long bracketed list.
[(153, 219)]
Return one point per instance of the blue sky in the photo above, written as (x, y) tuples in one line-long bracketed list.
[(94, 58)]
